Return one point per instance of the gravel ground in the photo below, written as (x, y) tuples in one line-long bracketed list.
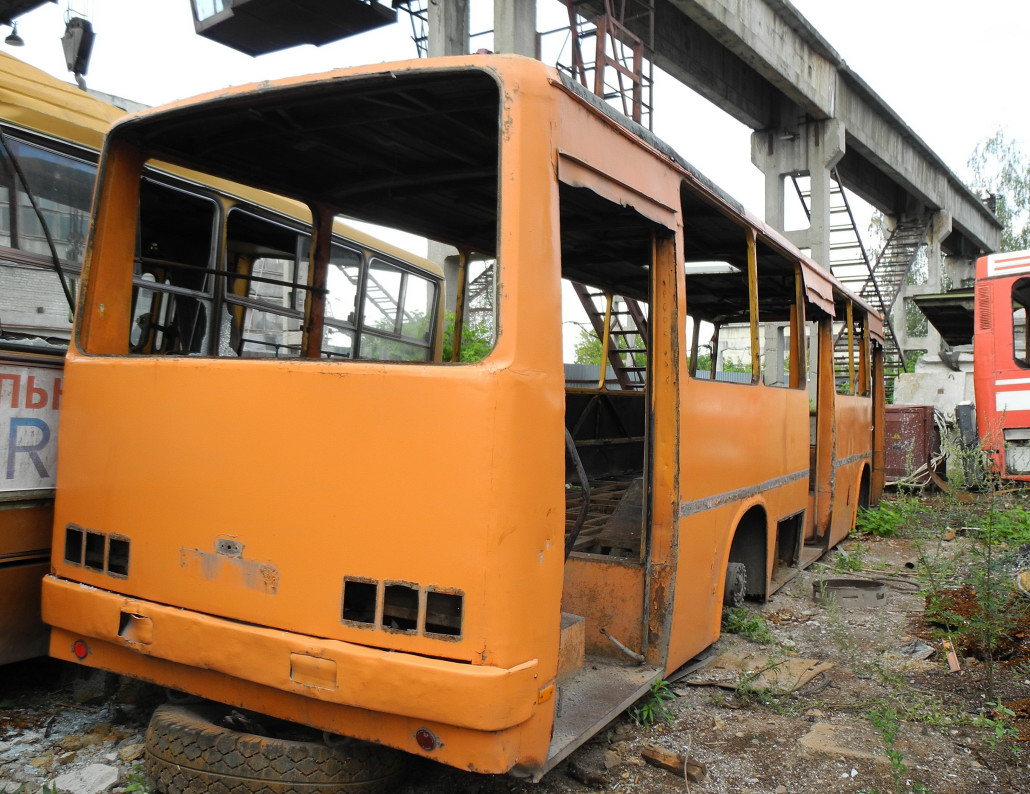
[(59, 733)]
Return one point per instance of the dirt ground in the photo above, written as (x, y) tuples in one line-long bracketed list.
[(875, 717)]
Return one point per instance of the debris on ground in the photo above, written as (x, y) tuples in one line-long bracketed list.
[(677, 763), (759, 671), (862, 698)]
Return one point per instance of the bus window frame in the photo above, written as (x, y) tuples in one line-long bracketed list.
[(14, 256), (1017, 305)]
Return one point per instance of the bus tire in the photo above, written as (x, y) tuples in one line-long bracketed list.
[(735, 588), (187, 752)]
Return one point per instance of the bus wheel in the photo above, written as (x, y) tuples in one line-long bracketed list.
[(736, 584), (188, 751)]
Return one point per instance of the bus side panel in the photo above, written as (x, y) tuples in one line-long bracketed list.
[(24, 550), (30, 400), (23, 635), (740, 444), (984, 369), (852, 454)]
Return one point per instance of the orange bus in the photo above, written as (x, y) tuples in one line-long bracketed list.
[(463, 560), (1001, 361)]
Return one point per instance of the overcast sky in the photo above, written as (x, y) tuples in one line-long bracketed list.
[(953, 74)]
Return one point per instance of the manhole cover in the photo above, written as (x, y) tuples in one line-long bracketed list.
[(849, 593)]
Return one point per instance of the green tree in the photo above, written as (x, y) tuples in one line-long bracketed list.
[(1000, 168), (588, 348), (704, 362), (477, 340)]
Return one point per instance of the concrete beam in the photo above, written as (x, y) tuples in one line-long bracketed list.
[(765, 65), (784, 49), (911, 166)]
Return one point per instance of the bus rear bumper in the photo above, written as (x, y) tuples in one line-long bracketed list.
[(477, 697)]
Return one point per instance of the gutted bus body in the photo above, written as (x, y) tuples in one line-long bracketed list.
[(458, 556)]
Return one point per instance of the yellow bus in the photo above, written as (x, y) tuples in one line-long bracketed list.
[(50, 133), (50, 137), (465, 560)]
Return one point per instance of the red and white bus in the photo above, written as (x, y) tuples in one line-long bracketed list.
[(1001, 352)]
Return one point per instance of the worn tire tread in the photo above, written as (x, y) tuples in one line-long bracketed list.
[(188, 753), (735, 587)]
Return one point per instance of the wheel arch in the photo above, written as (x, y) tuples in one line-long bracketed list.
[(750, 546)]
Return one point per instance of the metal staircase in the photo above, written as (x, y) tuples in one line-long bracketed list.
[(620, 69), (878, 283), (418, 11), (479, 299), (627, 333), (881, 286), (848, 257), (379, 297)]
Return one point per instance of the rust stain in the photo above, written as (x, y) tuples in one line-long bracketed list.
[(658, 617), (235, 570)]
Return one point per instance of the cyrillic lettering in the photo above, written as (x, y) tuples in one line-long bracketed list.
[(15, 386), (32, 394), (57, 394)]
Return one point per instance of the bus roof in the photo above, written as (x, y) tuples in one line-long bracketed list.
[(1003, 264), (32, 99), (171, 130)]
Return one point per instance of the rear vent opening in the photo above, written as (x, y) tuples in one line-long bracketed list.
[(73, 537), (443, 613), (118, 557), (97, 551), (400, 608), (403, 608), (359, 601), (96, 543)]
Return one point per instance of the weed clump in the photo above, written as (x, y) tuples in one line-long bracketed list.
[(653, 706), (747, 625), (889, 518)]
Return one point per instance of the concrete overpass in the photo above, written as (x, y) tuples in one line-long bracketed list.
[(765, 65)]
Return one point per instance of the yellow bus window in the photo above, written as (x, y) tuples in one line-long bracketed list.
[(397, 309), (33, 303)]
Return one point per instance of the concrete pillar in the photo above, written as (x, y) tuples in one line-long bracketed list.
[(961, 271), (447, 257), (939, 231), (448, 32), (814, 150), (515, 27), (812, 369), (774, 353), (448, 29)]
